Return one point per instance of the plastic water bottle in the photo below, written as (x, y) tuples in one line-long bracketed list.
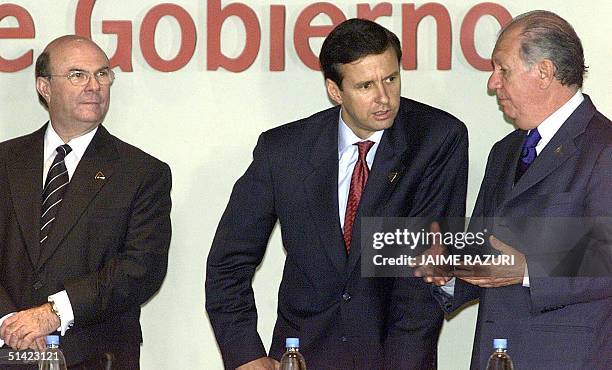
[(52, 358), (500, 360), (292, 359)]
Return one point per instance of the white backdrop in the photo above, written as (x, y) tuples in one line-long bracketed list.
[(204, 124)]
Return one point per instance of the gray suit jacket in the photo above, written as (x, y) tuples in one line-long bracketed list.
[(561, 322)]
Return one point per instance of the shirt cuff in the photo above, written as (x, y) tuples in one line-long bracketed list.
[(526, 277), (62, 302), (1, 321), (449, 287)]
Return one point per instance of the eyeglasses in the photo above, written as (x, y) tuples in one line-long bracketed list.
[(104, 76)]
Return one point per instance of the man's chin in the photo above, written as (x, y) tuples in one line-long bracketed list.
[(385, 124), (91, 115)]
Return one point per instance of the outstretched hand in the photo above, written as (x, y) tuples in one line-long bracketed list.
[(494, 276)]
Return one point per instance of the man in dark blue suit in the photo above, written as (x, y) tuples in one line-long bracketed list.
[(549, 186), (374, 154)]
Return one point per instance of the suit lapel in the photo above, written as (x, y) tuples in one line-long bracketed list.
[(25, 177), (321, 191), (84, 185), (505, 181), (386, 170), (560, 148)]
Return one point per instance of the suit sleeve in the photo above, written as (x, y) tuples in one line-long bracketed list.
[(137, 271), (6, 303), (238, 248), (548, 294), (444, 185), (465, 292), (441, 194)]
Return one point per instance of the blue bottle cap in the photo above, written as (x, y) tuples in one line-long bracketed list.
[(500, 343), (52, 339), (292, 342)]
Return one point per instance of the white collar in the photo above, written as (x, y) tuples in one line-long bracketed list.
[(346, 136), (78, 144), (549, 127)]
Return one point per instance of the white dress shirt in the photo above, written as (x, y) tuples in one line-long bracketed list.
[(78, 144), (347, 157)]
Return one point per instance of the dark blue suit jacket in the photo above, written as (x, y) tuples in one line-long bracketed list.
[(343, 321), (560, 322)]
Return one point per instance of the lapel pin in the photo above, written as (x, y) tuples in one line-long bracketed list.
[(559, 149), (392, 176), (100, 176)]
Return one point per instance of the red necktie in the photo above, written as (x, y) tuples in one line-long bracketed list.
[(358, 181)]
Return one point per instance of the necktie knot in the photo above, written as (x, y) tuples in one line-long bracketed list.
[(364, 147), (528, 154), (63, 150)]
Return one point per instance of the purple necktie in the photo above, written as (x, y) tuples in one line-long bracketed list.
[(528, 153)]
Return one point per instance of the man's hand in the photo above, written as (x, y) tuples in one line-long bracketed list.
[(436, 274), (27, 329), (493, 276), (262, 363)]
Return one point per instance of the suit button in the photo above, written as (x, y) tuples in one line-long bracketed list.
[(346, 297), (343, 339), (37, 285)]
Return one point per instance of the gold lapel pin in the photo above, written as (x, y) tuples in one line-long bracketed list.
[(392, 176), (100, 176), (559, 149)]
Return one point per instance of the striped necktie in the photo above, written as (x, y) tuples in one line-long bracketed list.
[(55, 187)]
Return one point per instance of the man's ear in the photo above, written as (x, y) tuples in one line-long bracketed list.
[(334, 91), (546, 71), (43, 88)]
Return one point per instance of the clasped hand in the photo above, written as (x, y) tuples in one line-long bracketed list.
[(28, 328), (483, 275)]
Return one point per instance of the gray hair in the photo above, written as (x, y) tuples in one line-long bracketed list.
[(545, 35)]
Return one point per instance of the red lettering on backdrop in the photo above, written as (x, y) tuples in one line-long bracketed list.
[(467, 32), (82, 18), (24, 30), (123, 54), (303, 31), (147, 37), (411, 19), (216, 17), (277, 38), (123, 29), (365, 11)]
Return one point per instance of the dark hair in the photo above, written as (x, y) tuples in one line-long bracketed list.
[(545, 35), (352, 40), (42, 70)]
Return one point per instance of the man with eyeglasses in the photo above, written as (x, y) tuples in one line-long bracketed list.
[(84, 220)]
